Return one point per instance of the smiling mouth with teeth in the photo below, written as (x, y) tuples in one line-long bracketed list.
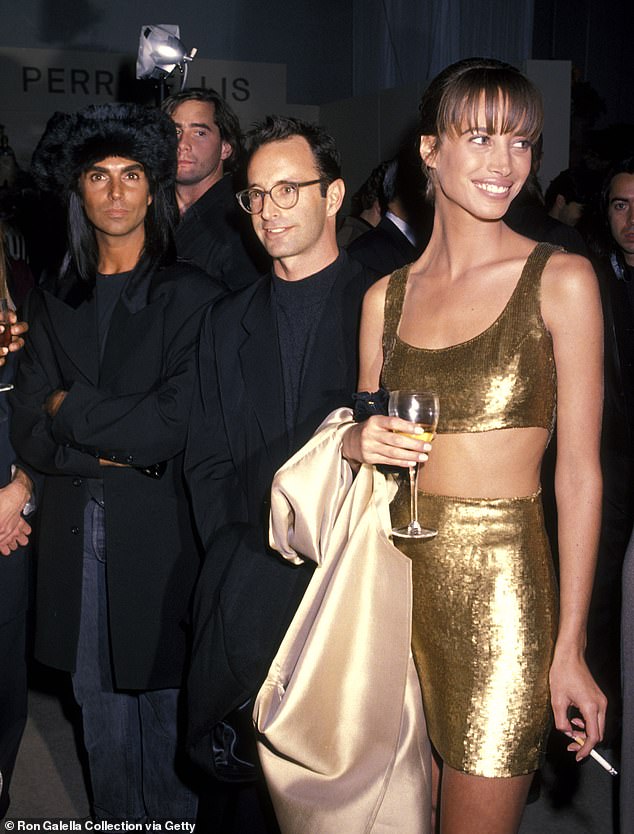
[(493, 189)]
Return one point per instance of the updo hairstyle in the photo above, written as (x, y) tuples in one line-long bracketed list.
[(451, 104)]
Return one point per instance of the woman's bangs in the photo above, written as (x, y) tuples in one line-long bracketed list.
[(512, 106)]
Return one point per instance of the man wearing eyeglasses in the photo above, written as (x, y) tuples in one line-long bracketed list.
[(275, 359)]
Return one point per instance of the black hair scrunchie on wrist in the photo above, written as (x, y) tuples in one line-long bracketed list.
[(368, 403)]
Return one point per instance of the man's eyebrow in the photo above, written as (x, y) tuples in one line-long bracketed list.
[(279, 182), (193, 124), (135, 166), (617, 199)]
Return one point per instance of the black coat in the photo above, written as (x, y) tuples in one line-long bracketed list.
[(238, 438), (132, 408), (528, 216), (14, 568), (217, 236), (383, 249), (617, 297), (617, 464)]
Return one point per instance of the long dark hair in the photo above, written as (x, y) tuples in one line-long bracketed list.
[(598, 232), (160, 221), (73, 143)]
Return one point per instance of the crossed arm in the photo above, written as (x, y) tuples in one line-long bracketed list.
[(60, 428)]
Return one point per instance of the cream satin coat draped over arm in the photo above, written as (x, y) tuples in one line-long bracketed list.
[(340, 724)]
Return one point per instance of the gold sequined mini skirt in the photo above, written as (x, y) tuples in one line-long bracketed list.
[(483, 631)]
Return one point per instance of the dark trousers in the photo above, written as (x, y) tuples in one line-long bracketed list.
[(13, 697), (130, 737), (627, 741)]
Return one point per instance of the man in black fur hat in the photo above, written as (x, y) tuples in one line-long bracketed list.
[(100, 414)]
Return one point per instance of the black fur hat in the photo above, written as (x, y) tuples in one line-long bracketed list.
[(73, 142)]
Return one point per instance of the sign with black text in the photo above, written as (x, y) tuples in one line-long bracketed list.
[(38, 82)]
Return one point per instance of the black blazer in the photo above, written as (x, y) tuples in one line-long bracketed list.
[(383, 249), (617, 439), (132, 408), (238, 438), (13, 568), (217, 236)]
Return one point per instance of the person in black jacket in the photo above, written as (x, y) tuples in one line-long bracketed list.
[(274, 360), (100, 414), (212, 232), (616, 274), (15, 530), (406, 221)]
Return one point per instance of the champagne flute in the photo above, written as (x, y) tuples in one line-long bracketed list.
[(422, 408), (5, 335)]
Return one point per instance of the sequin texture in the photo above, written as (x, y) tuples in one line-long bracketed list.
[(503, 378), (485, 597), (485, 617)]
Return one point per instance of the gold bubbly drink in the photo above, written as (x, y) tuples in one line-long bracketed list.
[(427, 434)]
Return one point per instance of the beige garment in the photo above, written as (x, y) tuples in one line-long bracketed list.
[(341, 730)]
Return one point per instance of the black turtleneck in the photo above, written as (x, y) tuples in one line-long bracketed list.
[(298, 307)]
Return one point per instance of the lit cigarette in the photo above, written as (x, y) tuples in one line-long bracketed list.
[(605, 764)]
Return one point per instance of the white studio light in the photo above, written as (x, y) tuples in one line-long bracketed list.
[(161, 51)]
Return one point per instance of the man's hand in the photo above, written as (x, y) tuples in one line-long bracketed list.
[(18, 328), (14, 529), (54, 401)]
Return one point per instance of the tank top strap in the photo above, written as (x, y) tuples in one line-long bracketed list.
[(527, 296), (394, 298)]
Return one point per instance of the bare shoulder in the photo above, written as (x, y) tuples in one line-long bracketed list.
[(565, 269), (374, 299), (377, 292), (371, 335), (569, 287)]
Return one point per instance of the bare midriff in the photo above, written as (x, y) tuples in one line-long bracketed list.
[(503, 463)]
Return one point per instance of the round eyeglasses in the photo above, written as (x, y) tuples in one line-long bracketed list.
[(284, 194)]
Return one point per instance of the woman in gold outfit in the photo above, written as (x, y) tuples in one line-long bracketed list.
[(502, 330)]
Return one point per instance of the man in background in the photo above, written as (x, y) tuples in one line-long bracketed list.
[(406, 219), (567, 195), (212, 231), (15, 530), (615, 268)]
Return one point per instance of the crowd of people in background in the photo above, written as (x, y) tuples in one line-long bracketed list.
[(187, 335)]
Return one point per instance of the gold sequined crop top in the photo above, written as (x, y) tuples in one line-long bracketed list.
[(503, 378)]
